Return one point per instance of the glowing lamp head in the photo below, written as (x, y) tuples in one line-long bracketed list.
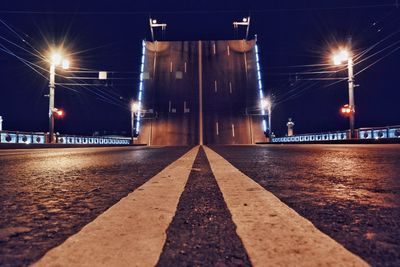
[(56, 59), (340, 57), (65, 64), (265, 103), (244, 19), (59, 113), (347, 110), (134, 107), (336, 60), (154, 21)]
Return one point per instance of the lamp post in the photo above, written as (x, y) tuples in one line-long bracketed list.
[(56, 60), (266, 104), (134, 109), (154, 24), (245, 22), (339, 58)]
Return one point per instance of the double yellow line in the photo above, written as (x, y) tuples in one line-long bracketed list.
[(133, 231)]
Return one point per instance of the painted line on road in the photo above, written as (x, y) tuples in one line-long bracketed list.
[(133, 231), (273, 233)]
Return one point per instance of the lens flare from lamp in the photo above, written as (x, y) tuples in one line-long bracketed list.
[(56, 59), (65, 64), (340, 57)]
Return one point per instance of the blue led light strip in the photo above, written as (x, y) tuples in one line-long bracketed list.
[(260, 91), (140, 95)]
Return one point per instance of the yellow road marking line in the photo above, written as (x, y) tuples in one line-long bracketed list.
[(133, 231), (272, 233)]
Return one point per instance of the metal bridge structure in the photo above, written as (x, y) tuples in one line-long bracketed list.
[(200, 92)]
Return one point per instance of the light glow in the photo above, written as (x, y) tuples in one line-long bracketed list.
[(56, 59), (65, 64), (134, 107), (340, 57), (137, 107), (265, 103), (261, 94)]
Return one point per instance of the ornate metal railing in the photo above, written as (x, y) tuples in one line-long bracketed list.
[(362, 133), (12, 137)]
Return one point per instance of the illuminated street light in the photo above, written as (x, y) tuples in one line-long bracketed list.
[(65, 64), (135, 109), (154, 24), (59, 113), (346, 111), (56, 59), (266, 104), (245, 22), (339, 58)]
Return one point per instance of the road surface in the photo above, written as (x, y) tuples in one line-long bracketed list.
[(49, 194), (154, 206), (350, 192)]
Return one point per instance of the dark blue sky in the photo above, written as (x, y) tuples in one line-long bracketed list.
[(290, 33)]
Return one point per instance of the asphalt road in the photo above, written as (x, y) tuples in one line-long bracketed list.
[(350, 192), (48, 195), (202, 232)]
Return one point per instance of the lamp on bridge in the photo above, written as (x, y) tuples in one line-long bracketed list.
[(56, 60), (58, 113), (245, 22), (340, 57), (266, 104), (135, 108), (154, 24), (290, 126)]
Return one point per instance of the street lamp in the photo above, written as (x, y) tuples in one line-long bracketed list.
[(56, 60), (134, 110), (245, 22), (266, 104), (339, 58), (154, 24)]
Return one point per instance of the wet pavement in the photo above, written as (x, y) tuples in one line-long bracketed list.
[(48, 195), (350, 192), (202, 232)]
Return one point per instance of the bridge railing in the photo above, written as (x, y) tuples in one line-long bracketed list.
[(13, 137), (10, 137), (92, 140), (317, 137), (379, 132), (362, 133)]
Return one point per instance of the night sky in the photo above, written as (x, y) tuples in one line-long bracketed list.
[(295, 37)]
